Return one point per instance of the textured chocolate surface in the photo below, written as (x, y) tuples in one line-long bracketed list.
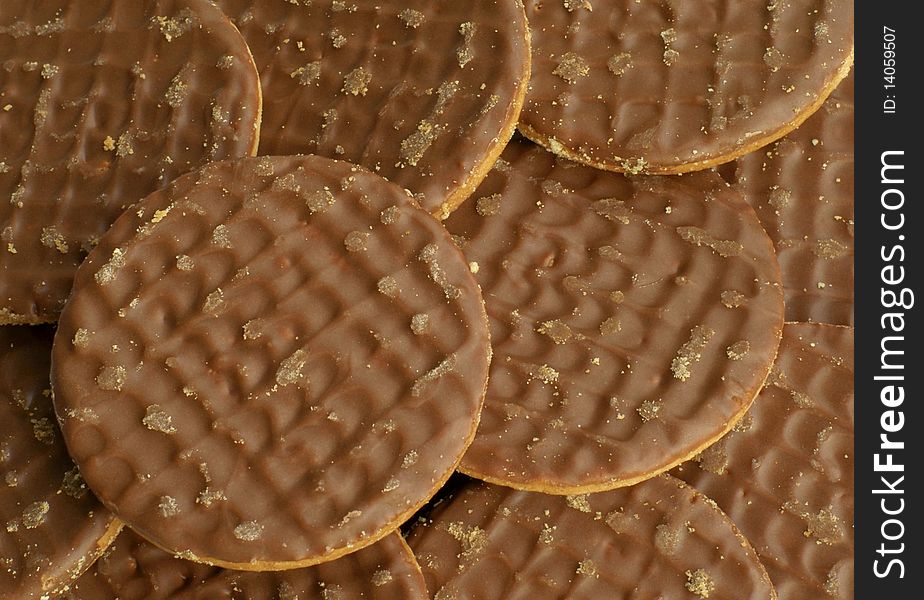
[(136, 570), (658, 539), (101, 103), (282, 357), (785, 474), (633, 319), (51, 526), (667, 87), (424, 93), (802, 190)]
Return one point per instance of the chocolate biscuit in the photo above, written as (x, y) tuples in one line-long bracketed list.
[(671, 87), (134, 569), (102, 103), (423, 93), (633, 319), (51, 527), (287, 358), (657, 539), (802, 190), (785, 473)]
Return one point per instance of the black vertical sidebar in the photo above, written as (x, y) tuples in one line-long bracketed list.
[(889, 419)]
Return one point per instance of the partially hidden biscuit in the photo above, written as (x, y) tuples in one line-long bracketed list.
[(287, 358), (134, 569), (633, 319), (658, 539), (785, 473), (802, 190), (51, 527), (423, 93), (102, 103), (670, 87)]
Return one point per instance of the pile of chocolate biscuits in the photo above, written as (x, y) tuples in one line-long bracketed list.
[(288, 310)]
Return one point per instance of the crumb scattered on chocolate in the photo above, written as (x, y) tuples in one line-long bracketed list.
[(248, 531), (691, 352), (571, 67), (700, 583), (111, 379), (157, 419)]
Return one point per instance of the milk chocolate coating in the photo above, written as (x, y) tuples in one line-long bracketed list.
[(135, 570), (663, 86), (51, 526), (802, 190), (101, 103), (633, 319), (425, 93), (785, 474), (287, 357), (657, 539)]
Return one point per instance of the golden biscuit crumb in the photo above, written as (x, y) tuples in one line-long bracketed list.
[(691, 352), (558, 331), (488, 206), (571, 67), (412, 18), (700, 583), (738, 350), (618, 64), (168, 506), (157, 419), (381, 577), (34, 514), (111, 379), (473, 539), (587, 568), (290, 370), (579, 502), (699, 237), (248, 531), (356, 241), (420, 323), (356, 82)]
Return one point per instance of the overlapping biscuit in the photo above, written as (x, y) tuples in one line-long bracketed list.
[(271, 363), (133, 569), (424, 93), (101, 103), (802, 190), (633, 319), (785, 474), (51, 527), (671, 87), (658, 539)]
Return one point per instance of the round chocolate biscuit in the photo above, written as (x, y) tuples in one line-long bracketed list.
[(423, 92), (287, 357), (669, 87), (101, 103), (802, 190), (135, 570), (633, 319), (658, 539), (785, 473), (51, 527)]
